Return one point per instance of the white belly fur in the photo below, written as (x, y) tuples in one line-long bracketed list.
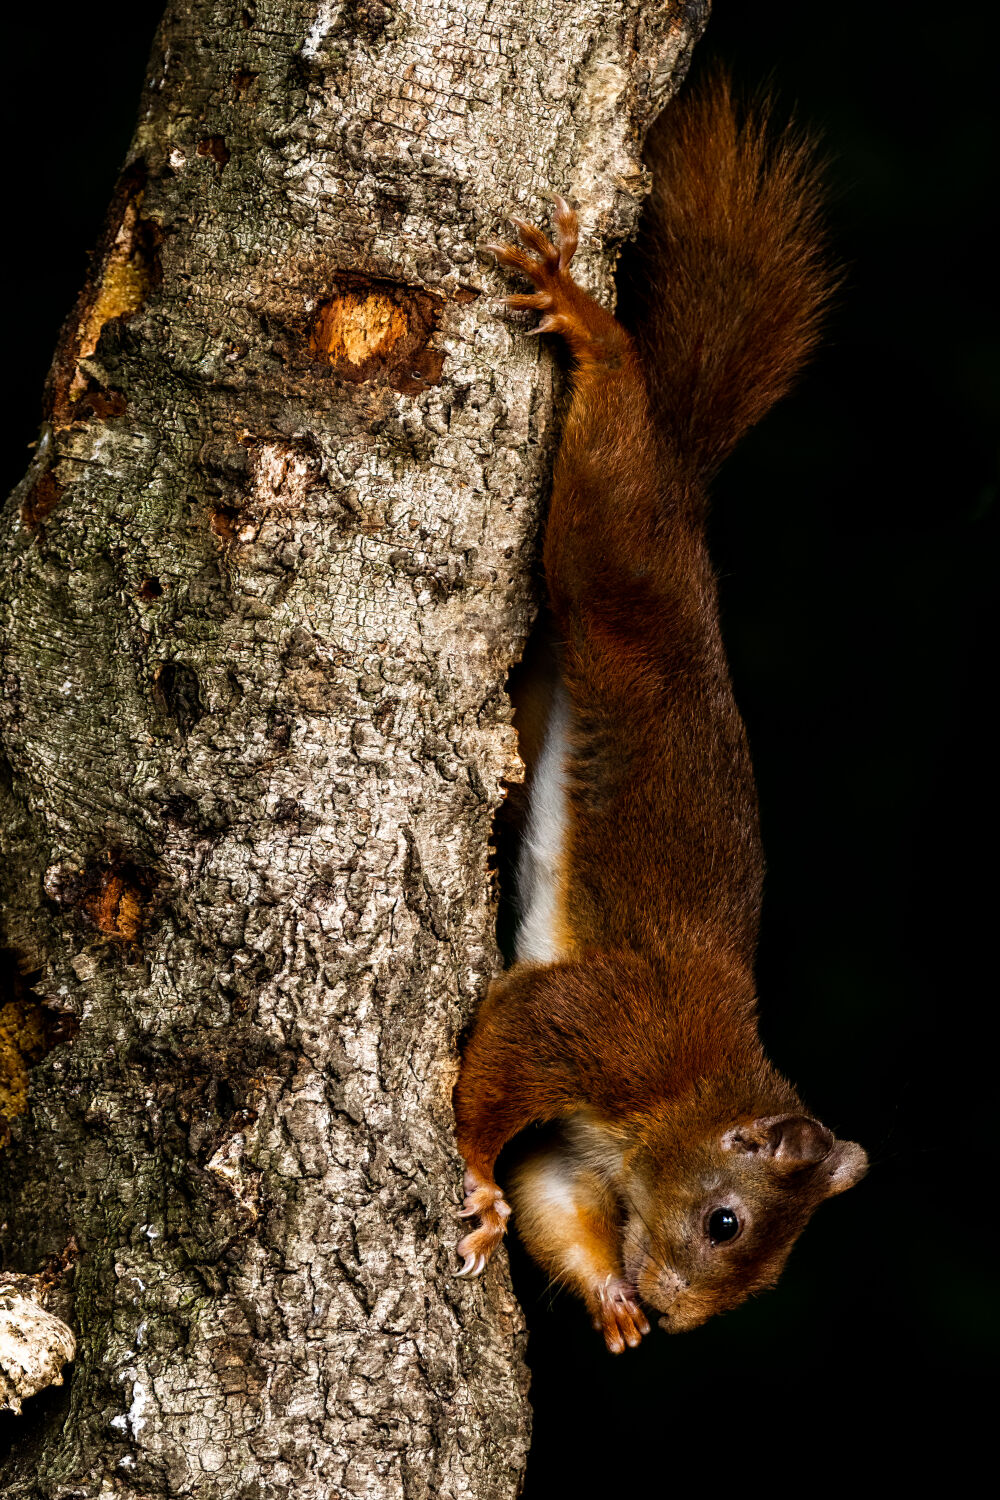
[(541, 857)]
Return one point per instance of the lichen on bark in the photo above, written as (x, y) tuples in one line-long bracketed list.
[(260, 592)]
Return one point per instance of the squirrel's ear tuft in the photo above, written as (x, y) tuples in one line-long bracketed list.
[(790, 1141), (846, 1164)]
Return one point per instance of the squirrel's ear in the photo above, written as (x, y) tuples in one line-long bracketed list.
[(790, 1141), (846, 1164)]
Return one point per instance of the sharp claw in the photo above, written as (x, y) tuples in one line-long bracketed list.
[(561, 206), (536, 240), (467, 1266), (528, 301)]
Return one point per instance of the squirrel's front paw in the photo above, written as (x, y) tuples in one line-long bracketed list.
[(484, 1201), (618, 1315)]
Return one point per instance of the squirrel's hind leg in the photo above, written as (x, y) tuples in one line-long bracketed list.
[(515, 1072)]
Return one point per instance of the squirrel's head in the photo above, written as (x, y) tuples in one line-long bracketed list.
[(708, 1226)]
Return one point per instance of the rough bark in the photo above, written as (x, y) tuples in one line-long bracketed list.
[(260, 592)]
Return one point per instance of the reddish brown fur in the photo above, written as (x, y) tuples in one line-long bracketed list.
[(647, 1029), (728, 281)]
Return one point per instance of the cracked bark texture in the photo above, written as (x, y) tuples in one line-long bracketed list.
[(260, 592)]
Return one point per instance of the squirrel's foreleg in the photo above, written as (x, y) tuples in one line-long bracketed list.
[(514, 1072)]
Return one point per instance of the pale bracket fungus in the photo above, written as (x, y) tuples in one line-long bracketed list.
[(34, 1343)]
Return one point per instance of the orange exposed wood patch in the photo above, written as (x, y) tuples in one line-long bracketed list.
[(28, 1031), (22, 1042), (116, 908), (379, 331), (125, 269), (126, 281), (353, 329), (113, 894)]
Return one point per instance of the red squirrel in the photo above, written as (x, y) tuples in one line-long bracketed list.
[(675, 1167)]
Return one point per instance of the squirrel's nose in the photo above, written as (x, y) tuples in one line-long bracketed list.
[(668, 1288)]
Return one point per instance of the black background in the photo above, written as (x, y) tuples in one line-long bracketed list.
[(855, 532)]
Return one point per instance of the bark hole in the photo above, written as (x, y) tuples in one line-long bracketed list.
[(99, 402), (223, 522), (41, 500), (215, 147), (242, 80), (179, 693)]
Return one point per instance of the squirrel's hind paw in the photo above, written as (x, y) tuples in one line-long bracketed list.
[(542, 261), (565, 307)]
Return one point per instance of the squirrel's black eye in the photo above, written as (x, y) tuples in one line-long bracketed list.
[(723, 1225)]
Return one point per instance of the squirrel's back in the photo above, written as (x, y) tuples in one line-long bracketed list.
[(724, 290), (643, 811)]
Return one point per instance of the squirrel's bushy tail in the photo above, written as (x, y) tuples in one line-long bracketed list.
[(724, 290)]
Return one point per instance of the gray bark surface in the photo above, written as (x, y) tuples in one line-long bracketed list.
[(259, 594)]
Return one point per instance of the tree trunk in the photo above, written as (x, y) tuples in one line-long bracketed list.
[(260, 592)]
